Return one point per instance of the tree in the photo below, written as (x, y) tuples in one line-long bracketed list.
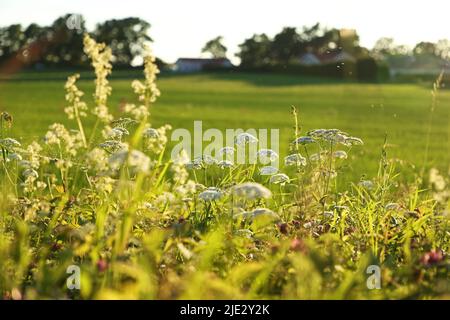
[(126, 38), (384, 46), (443, 49), (215, 47), (286, 46), (12, 39), (254, 52), (425, 48), (66, 42)]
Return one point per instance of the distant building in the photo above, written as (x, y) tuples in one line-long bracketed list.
[(309, 59), (198, 64), (314, 59)]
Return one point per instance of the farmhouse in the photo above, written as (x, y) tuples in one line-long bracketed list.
[(314, 59), (199, 64)]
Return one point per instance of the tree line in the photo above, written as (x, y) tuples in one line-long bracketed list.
[(61, 43)]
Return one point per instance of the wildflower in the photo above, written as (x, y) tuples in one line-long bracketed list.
[(33, 151), (112, 146), (208, 160), (297, 245), (97, 159), (156, 142), (340, 154), (268, 170), (14, 157), (263, 212), (123, 122), (164, 199), (7, 118), (303, 140), (437, 181), (251, 191), (195, 164), (211, 194), (328, 214), (367, 184), (101, 57), (315, 157), (329, 174), (136, 160), (9, 143), (432, 257), (225, 164), (334, 137), (295, 160), (267, 155), (60, 136), (227, 151), (104, 184), (179, 169), (283, 227), (258, 212), (102, 265), (25, 164), (150, 133), (139, 113), (317, 133), (76, 108), (246, 233), (392, 206), (308, 225), (30, 173), (279, 178), (245, 138), (350, 141), (117, 133)]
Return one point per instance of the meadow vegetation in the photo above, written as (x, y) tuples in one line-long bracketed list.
[(100, 192)]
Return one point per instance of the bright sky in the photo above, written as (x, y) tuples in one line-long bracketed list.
[(181, 27)]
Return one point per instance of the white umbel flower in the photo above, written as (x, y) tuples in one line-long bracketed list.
[(295, 159), (279, 178), (268, 171), (210, 194), (251, 191)]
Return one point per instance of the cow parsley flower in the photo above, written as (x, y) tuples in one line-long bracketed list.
[(267, 155), (30, 173), (295, 159), (251, 191), (226, 151), (279, 178), (208, 160), (351, 141), (211, 194), (117, 133), (14, 157), (195, 164), (9, 143), (245, 138), (113, 146), (136, 160), (367, 184), (303, 140), (225, 164), (268, 170), (150, 133), (340, 154)]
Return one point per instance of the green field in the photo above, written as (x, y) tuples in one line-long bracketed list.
[(368, 111)]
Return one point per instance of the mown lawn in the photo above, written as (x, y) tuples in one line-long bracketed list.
[(368, 111)]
